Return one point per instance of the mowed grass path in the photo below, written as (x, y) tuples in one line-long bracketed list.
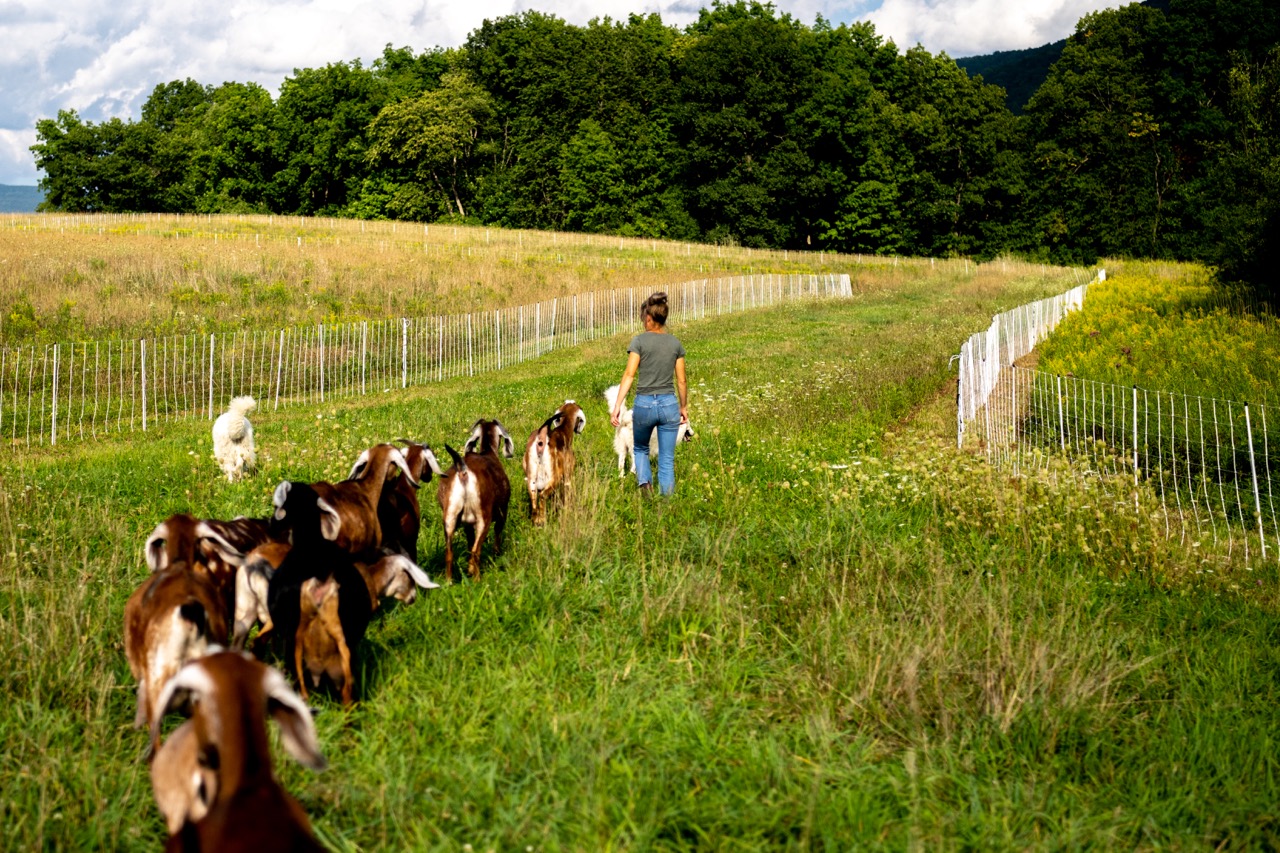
[(840, 634)]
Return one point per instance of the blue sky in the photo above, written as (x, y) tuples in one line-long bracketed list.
[(103, 59)]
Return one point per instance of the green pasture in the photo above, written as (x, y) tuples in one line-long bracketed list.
[(840, 634)]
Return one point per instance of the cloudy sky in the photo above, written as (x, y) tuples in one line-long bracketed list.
[(103, 59)]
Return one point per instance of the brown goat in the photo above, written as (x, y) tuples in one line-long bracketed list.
[(170, 619), (213, 548), (476, 492), (399, 512), (548, 458), (334, 615), (216, 783), (356, 498), (252, 581)]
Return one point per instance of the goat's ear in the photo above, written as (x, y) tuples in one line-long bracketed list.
[(433, 464), (362, 462), (278, 499), (418, 575), (155, 551), (476, 434), (394, 454), (580, 421), (297, 730), (508, 446), (330, 521), (227, 552), (191, 684)]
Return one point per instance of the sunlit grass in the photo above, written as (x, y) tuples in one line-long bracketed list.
[(74, 277), (1165, 327), (840, 634)]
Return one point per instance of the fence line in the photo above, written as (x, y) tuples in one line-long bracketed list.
[(1011, 335), (81, 390), (1201, 467)]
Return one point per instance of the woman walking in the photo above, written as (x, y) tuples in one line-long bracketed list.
[(655, 362)]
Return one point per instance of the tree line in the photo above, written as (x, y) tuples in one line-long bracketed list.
[(1156, 134)]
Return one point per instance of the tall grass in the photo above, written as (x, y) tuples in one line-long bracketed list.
[(1168, 327), (840, 634), (94, 276)]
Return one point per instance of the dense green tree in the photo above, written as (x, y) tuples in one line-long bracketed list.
[(408, 73), (237, 157), (1104, 169), (92, 168), (1242, 191), (434, 137), (740, 76), (322, 116)]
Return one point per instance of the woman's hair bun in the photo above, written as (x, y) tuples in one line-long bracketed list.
[(659, 298)]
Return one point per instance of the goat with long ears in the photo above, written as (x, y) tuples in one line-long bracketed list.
[(399, 511), (213, 777), (476, 492), (355, 499), (548, 458)]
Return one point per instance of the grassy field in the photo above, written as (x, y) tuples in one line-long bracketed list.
[(840, 634), (66, 278)]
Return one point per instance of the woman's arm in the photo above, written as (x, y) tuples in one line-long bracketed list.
[(628, 376), (682, 390)]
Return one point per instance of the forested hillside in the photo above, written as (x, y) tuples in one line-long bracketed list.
[(1155, 134), (18, 199), (1018, 72)]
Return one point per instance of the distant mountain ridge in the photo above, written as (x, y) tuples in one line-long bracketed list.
[(19, 199), (1020, 72)]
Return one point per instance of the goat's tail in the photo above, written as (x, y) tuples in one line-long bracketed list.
[(193, 612), (458, 461)]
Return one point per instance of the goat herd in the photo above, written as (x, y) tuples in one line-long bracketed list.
[(312, 575)]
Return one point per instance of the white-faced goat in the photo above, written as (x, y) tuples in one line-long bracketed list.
[(476, 492), (213, 778), (548, 458), (355, 499), (233, 445), (624, 437), (170, 619)]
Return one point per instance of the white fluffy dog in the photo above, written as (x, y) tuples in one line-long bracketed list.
[(233, 439), (624, 437)]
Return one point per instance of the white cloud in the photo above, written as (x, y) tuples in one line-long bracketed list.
[(16, 163), (104, 59), (972, 27)]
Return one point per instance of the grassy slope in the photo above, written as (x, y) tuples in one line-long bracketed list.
[(908, 651)]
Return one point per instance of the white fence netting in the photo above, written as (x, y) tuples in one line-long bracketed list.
[(55, 392), (1012, 335), (1205, 469)]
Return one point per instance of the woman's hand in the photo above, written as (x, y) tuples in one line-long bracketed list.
[(615, 418), (684, 415)]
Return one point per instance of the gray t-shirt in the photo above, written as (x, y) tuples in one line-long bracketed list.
[(658, 352)]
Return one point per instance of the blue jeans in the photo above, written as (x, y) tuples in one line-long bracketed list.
[(660, 411)]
